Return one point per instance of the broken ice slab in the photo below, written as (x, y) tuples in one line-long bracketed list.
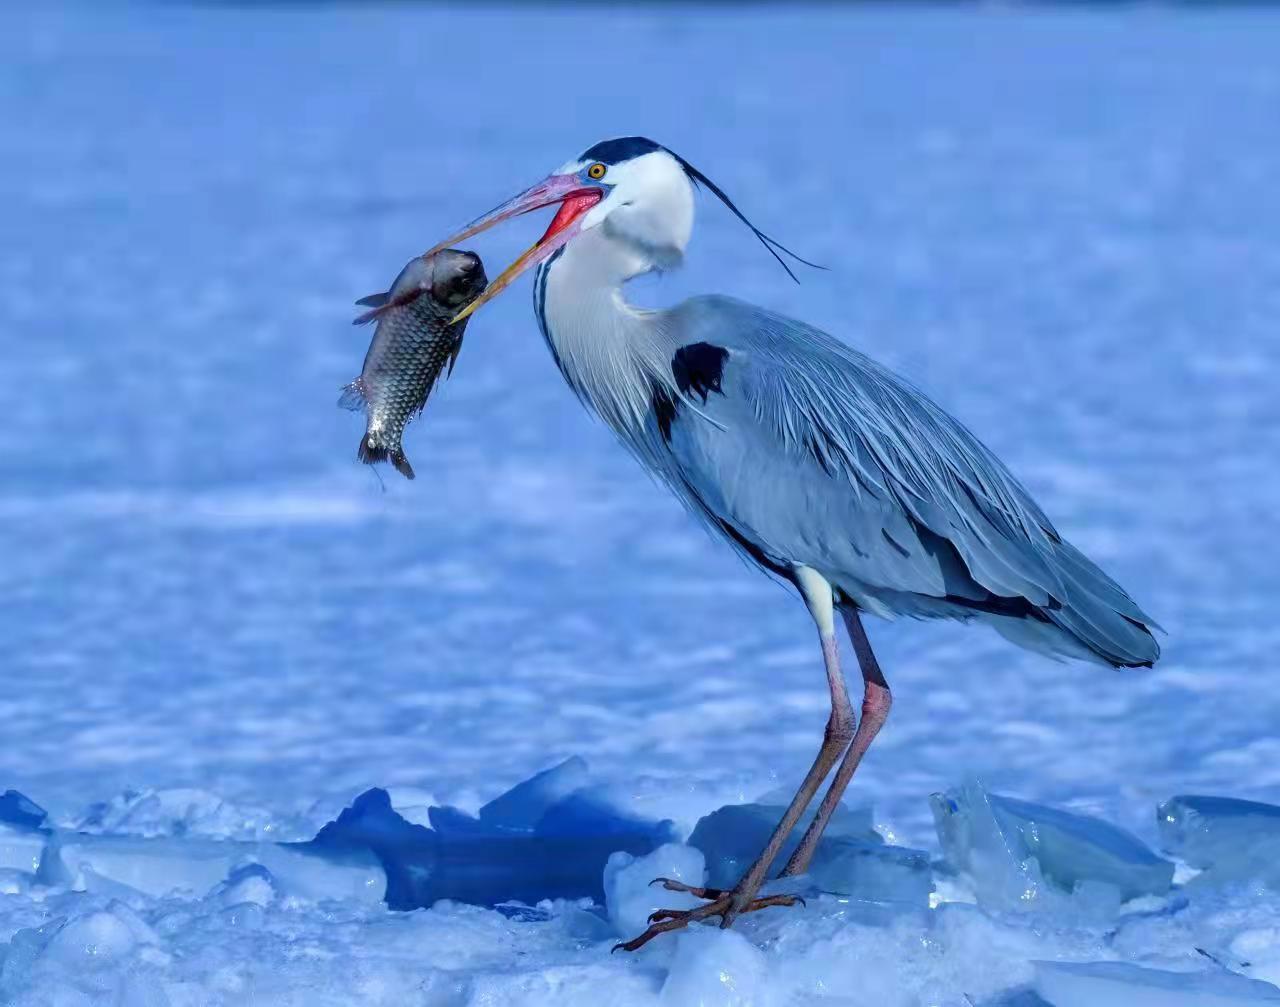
[(20, 811), (630, 894), (525, 804), (193, 867), (1228, 839), (1120, 984), (875, 872), (23, 835), (543, 841), (180, 811), (21, 849), (851, 859), (732, 837), (1012, 848)]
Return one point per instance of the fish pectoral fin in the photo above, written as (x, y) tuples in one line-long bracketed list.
[(453, 358), (382, 303), (376, 301), (354, 396)]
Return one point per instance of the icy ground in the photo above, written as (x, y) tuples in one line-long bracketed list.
[(1061, 223)]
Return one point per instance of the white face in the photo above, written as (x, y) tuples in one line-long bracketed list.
[(648, 203)]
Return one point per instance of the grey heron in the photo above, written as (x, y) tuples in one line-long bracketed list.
[(814, 462)]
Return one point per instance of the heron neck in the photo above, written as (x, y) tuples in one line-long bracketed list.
[(611, 353)]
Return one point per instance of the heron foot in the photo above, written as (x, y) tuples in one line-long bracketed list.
[(724, 904)]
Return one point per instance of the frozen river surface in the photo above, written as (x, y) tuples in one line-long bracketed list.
[(1061, 224)]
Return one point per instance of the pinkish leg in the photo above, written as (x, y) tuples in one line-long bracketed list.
[(742, 898), (876, 701)]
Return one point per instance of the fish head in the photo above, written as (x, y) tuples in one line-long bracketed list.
[(456, 277)]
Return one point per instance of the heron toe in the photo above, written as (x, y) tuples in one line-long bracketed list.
[(726, 905)]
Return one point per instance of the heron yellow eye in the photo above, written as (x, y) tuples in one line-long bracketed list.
[(596, 171)]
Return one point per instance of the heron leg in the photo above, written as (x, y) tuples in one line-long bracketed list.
[(816, 592), (876, 702)]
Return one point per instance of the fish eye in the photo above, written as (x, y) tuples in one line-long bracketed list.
[(596, 171)]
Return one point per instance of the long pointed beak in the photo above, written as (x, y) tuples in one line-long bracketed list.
[(575, 199)]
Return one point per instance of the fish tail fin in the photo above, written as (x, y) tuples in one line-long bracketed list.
[(372, 451), (354, 396), (401, 463)]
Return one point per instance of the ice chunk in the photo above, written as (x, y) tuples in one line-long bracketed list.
[(1011, 848), (20, 811), (302, 870), (21, 849), (154, 867), (23, 836), (91, 938), (13, 882), (476, 861), (714, 968), (413, 804), (177, 812), (851, 859), (872, 871), (447, 819), (524, 805), (630, 895), (406, 852), (1120, 984), (251, 884), (733, 836), (194, 867), (1228, 838)]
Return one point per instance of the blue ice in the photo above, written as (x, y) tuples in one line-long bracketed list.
[(1228, 839), (1020, 854), (549, 837), (1121, 984), (851, 859)]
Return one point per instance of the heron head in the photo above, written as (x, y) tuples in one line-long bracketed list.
[(635, 191)]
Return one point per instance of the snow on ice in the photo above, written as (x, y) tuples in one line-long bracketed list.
[(1026, 904)]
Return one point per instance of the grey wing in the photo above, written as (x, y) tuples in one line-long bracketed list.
[(803, 451)]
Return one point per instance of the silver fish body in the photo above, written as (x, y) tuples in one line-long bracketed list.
[(411, 345)]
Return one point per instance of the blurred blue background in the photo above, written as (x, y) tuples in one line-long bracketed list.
[(1061, 222)]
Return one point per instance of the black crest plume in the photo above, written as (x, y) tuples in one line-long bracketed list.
[(624, 148), (774, 246)]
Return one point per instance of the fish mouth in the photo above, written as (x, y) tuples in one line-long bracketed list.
[(575, 200), (456, 277)]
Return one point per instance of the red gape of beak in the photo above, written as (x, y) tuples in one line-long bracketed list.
[(574, 198)]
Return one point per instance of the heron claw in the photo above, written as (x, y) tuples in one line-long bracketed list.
[(663, 921), (672, 885)]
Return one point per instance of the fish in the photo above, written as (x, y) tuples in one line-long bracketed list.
[(413, 342)]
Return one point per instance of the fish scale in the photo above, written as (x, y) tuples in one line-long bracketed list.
[(415, 338)]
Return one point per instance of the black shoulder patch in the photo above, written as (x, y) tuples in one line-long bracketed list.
[(623, 148), (699, 369)]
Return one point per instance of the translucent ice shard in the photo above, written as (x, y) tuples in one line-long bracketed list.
[(525, 804), (1228, 838), (851, 859), (876, 872), (1012, 849), (733, 836)]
